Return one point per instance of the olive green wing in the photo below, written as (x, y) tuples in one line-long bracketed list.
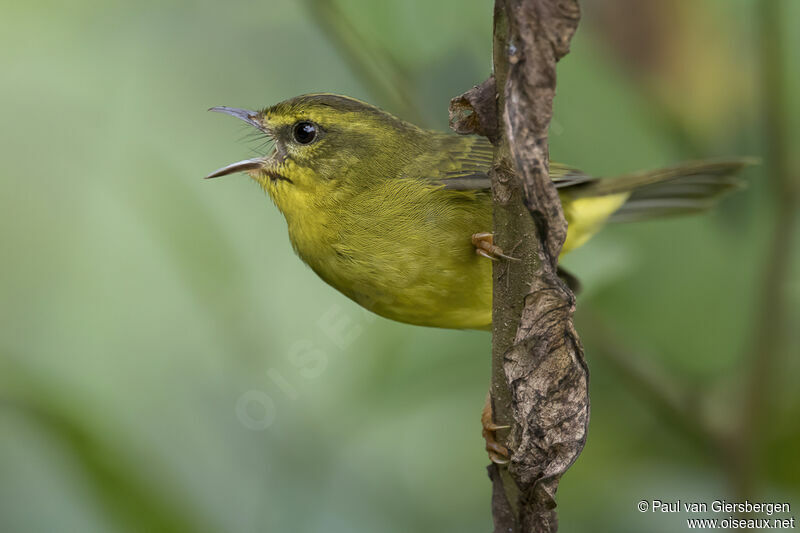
[(462, 163)]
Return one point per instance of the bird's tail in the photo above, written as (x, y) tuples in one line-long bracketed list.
[(688, 188)]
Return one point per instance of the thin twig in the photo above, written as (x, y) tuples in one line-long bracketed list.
[(770, 326), (672, 400), (384, 76)]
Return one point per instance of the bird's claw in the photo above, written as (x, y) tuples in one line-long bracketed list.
[(484, 246), (498, 453)]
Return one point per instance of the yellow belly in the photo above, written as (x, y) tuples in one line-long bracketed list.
[(412, 260)]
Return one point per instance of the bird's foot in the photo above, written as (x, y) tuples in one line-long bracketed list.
[(497, 452), (484, 245)]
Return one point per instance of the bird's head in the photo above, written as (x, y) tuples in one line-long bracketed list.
[(325, 145)]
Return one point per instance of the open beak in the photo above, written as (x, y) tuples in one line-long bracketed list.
[(252, 118), (239, 166)]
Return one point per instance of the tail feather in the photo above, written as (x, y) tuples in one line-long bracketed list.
[(688, 188), (638, 210)]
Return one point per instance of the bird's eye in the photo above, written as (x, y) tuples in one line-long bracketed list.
[(305, 132)]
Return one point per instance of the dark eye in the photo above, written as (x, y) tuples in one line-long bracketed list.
[(305, 132)]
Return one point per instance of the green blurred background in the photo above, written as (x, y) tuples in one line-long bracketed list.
[(168, 364)]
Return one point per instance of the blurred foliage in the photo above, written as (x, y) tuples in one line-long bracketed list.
[(141, 304)]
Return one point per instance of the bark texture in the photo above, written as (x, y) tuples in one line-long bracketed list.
[(539, 376)]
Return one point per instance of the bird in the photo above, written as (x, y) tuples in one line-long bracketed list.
[(398, 218)]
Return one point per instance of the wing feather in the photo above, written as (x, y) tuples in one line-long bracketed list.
[(464, 163)]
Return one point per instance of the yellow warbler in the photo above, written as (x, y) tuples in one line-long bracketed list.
[(385, 211)]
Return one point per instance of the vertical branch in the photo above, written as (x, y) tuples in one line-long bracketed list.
[(771, 320), (539, 377), (544, 367)]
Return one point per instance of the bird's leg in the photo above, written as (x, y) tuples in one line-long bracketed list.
[(484, 245), (497, 452)]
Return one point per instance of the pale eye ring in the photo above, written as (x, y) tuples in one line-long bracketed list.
[(305, 132)]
